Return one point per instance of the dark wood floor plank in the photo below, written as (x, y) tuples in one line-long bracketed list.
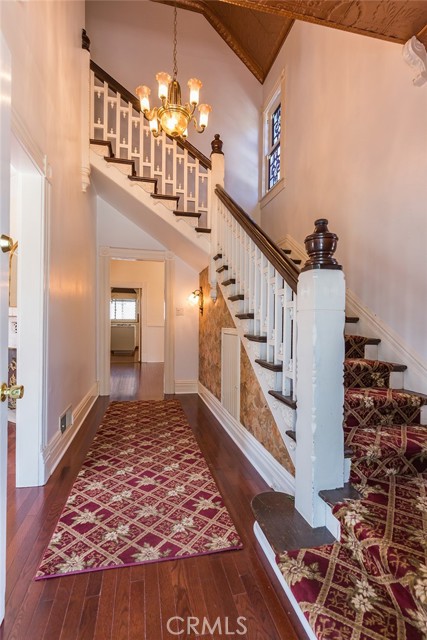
[(70, 628), (104, 620), (121, 606), (153, 626), (59, 609), (137, 611), (138, 602)]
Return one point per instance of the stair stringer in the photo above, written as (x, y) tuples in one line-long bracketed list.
[(154, 217), (283, 415)]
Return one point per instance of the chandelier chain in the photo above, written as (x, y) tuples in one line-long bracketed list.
[(175, 65)]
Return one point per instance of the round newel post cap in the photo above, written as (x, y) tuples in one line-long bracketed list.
[(85, 40), (321, 246), (216, 144)]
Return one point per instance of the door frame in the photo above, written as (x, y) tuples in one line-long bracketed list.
[(33, 212), (106, 254)]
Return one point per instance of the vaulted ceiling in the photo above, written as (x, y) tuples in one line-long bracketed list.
[(257, 29)]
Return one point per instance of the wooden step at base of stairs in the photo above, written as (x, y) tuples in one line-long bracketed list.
[(277, 368), (235, 298), (124, 165), (282, 525), (288, 400), (334, 496), (226, 283), (245, 316), (104, 146)]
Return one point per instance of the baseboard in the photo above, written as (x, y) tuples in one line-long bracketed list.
[(269, 554), (270, 470), (54, 451), (186, 386)]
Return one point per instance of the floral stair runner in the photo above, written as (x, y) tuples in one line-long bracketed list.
[(372, 584)]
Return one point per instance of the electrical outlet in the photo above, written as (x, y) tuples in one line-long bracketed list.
[(66, 419), (63, 422)]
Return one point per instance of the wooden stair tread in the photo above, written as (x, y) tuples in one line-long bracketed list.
[(245, 316), (223, 268), (187, 214), (351, 319), (202, 230), (238, 296), (142, 179), (348, 451), (254, 338), (163, 196), (226, 283), (269, 365), (282, 525), (104, 143), (115, 160), (333, 496), (218, 256), (296, 260), (395, 366), (288, 400)]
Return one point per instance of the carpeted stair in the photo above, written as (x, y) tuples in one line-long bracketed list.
[(372, 584)]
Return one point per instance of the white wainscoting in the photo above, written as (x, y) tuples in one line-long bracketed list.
[(271, 471)]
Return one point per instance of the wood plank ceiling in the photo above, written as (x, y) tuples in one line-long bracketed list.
[(256, 29)]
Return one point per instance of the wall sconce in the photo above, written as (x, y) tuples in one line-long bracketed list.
[(196, 297)]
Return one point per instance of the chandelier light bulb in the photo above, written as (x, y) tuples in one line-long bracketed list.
[(143, 92), (164, 80), (194, 85), (204, 110)]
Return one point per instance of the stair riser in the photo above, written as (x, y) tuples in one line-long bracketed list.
[(373, 416), (123, 168), (148, 187)]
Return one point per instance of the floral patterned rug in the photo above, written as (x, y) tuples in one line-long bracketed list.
[(144, 494)]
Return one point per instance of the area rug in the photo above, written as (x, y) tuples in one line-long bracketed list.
[(144, 494)]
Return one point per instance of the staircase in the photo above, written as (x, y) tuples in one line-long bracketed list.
[(370, 473), (371, 584), (162, 185)]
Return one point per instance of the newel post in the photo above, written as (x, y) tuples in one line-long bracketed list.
[(216, 177), (320, 356)]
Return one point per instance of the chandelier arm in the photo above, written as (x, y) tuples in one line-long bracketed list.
[(197, 128)]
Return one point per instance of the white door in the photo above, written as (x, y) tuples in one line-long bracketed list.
[(5, 97), (230, 372)]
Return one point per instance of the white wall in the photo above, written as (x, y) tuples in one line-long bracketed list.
[(148, 276), (45, 42), (132, 41), (115, 230), (355, 152)]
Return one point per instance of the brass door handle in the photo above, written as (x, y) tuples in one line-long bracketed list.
[(15, 391), (6, 243)]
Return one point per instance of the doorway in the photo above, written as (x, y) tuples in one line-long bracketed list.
[(151, 273)]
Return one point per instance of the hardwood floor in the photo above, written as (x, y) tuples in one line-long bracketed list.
[(138, 603)]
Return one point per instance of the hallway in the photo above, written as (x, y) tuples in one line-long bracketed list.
[(136, 603)]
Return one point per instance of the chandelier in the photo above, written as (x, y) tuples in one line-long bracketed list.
[(173, 117)]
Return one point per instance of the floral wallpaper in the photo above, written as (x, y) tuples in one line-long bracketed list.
[(255, 414)]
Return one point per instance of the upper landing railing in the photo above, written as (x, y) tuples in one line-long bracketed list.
[(180, 168)]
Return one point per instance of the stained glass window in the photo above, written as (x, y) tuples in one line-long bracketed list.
[(274, 154)]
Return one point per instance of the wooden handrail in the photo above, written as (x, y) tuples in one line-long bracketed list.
[(278, 259), (133, 100)]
